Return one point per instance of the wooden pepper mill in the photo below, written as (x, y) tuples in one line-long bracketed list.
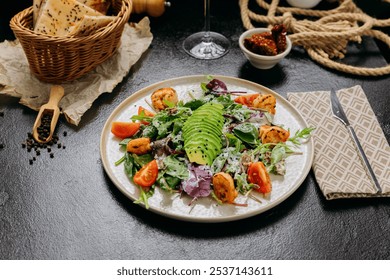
[(153, 8)]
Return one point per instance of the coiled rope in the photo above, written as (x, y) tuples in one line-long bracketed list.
[(327, 37)]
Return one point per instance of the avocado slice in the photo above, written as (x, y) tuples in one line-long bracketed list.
[(203, 129), (202, 133), (201, 154), (210, 146), (208, 139)]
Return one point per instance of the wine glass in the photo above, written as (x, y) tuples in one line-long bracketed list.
[(206, 44)]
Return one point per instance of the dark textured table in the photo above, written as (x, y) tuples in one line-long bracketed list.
[(66, 207)]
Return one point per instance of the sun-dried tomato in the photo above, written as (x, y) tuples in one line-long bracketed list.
[(268, 43), (262, 44), (279, 35)]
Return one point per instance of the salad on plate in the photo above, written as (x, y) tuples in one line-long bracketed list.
[(222, 144)]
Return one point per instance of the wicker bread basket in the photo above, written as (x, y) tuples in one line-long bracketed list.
[(59, 59)]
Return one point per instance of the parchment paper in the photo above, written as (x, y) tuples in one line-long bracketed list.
[(17, 80)]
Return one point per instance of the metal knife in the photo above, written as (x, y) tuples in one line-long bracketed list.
[(338, 113)]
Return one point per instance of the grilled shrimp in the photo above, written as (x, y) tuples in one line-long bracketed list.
[(273, 134), (158, 97), (266, 102), (224, 189), (139, 146)]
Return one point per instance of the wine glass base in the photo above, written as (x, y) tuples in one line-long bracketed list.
[(206, 45)]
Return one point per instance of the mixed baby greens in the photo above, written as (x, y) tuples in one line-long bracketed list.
[(190, 142)]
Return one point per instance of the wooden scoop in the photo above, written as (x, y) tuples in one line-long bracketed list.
[(49, 109)]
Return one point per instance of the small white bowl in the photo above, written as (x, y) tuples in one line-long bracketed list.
[(261, 61), (306, 4)]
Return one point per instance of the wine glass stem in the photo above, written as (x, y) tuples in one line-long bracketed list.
[(206, 37)]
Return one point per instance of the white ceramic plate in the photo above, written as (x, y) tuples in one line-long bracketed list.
[(206, 209)]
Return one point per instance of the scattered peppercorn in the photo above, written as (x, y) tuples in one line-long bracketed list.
[(1, 146), (31, 144), (1, 114)]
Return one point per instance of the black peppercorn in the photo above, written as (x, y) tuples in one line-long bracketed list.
[(43, 132)]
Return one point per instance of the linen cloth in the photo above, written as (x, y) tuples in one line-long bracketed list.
[(337, 165)]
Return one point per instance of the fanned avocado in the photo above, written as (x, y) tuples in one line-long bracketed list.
[(202, 133)]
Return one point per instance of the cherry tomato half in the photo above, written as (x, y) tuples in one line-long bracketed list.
[(147, 175), (258, 174), (124, 129), (146, 112)]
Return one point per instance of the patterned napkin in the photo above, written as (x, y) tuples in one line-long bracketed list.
[(337, 166)]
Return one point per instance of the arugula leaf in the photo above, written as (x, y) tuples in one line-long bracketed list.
[(242, 183), (119, 161), (144, 196), (169, 103), (141, 117), (301, 134)]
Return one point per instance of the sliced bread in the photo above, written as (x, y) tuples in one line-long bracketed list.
[(58, 17)]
